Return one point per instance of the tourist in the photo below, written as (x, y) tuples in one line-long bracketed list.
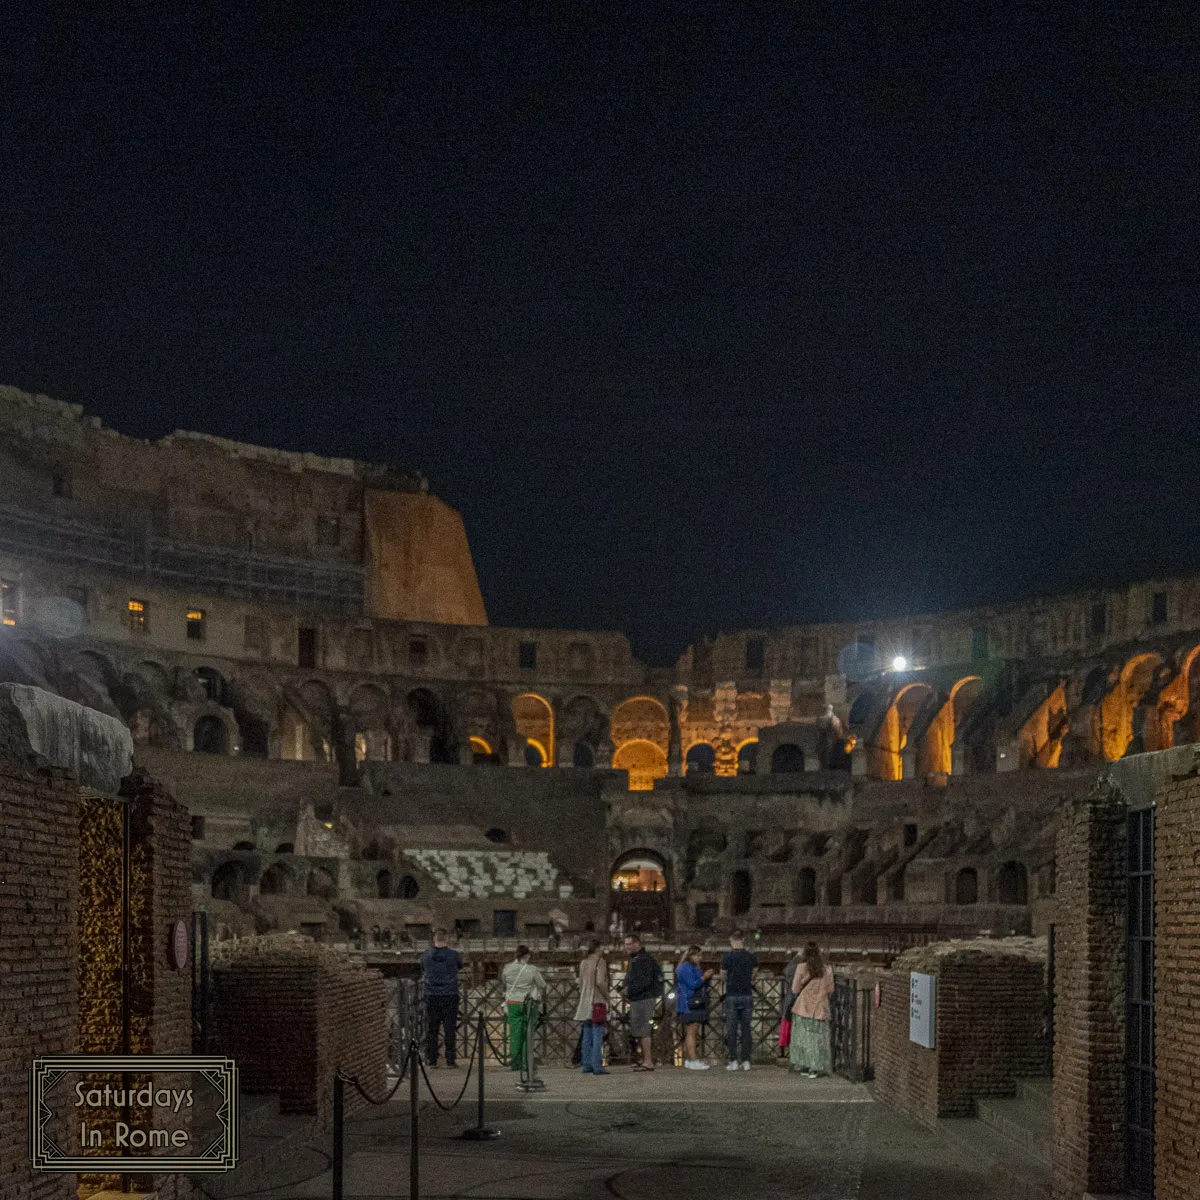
[(787, 1000), (643, 987), (691, 1005), (524, 986), (592, 1009), (440, 966), (739, 970), (812, 1044)]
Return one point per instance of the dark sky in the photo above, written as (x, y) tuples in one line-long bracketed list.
[(705, 315)]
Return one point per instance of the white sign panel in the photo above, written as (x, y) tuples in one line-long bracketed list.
[(922, 995)]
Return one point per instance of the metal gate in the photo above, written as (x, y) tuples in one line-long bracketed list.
[(850, 1011), (1139, 1004)]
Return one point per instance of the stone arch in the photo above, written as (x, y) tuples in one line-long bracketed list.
[(429, 715), (1012, 884), (535, 754), (533, 717), (645, 761), (701, 759), (1186, 728), (640, 891), (891, 738), (89, 678), (1117, 708), (640, 719), (321, 883), (583, 722), (154, 677), (212, 683), (482, 752), (370, 711), (210, 735), (306, 722), (747, 756), (787, 759), (408, 888), (583, 755), (966, 886), (229, 883)]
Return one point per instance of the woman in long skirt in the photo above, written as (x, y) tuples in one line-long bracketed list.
[(812, 1042)]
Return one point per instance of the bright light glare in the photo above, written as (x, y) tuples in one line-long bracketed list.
[(899, 663)]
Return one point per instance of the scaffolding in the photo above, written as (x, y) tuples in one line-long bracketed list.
[(162, 560)]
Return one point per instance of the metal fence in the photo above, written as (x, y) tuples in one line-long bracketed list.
[(558, 1032)]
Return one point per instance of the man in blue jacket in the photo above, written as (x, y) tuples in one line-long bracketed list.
[(440, 966)]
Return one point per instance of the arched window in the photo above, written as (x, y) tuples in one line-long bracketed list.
[(229, 883), (408, 888), (210, 736), (582, 755), (787, 759), (701, 759), (1012, 884), (533, 755), (274, 881), (806, 887), (383, 882), (213, 683), (747, 758), (966, 886)]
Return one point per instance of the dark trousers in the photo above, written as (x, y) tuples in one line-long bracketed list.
[(440, 1012), (737, 1027)]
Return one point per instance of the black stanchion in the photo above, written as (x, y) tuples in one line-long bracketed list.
[(414, 1146), (481, 1132), (529, 1082), (339, 1108)]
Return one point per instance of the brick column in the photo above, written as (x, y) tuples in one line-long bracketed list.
[(1089, 998)]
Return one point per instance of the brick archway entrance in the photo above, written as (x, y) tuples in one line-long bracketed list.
[(640, 893)]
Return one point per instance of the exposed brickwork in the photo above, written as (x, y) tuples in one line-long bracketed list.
[(1177, 991), (291, 1013), (1089, 1029), (39, 850), (990, 1027)]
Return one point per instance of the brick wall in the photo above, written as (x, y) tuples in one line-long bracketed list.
[(1177, 990), (990, 1026), (1089, 1023), (291, 1012), (39, 850)]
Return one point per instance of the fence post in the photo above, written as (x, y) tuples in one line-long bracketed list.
[(481, 1132), (414, 1095), (339, 1103)]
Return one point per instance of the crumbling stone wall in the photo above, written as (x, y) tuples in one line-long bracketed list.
[(292, 1012), (990, 1015), (1089, 986), (1177, 990)]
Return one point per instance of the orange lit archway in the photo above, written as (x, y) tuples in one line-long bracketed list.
[(640, 731), (892, 738), (1116, 709), (645, 761), (534, 720)]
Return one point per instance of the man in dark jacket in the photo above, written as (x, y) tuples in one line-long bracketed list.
[(440, 966), (643, 987)]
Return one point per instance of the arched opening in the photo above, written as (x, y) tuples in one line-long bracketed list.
[(285, 848), (582, 756), (321, 883), (482, 754), (747, 757), (383, 884), (408, 888), (244, 846), (213, 683), (739, 893), (584, 728), (806, 887), (861, 708), (429, 716), (1117, 708), (254, 734), (787, 759), (229, 883), (535, 756), (210, 736), (274, 882), (701, 759), (640, 730), (1012, 884), (639, 893), (966, 886), (645, 762), (372, 716), (892, 736), (534, 721), (500, 836)]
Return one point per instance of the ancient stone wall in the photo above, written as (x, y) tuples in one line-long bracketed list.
[(1089, 983), (39, 849), (990, 1014), (1177, 990), (292, 1013)]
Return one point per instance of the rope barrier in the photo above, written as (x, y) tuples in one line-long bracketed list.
[(358, 1087), (467, 1080)]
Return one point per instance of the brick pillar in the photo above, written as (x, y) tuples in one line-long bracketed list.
[(1089, 999)]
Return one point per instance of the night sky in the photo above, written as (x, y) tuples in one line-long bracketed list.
[(704, 315)]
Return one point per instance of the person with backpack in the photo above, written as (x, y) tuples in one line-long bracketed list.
[(643, 987), (691, 1005), (524, 986)]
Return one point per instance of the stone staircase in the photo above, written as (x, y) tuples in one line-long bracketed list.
[(273, 1151), (1013, 1136)]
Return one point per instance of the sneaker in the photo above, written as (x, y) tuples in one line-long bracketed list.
[(732, 1067), (701, 1065), (745, 1066)]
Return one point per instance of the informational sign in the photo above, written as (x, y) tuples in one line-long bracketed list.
[(922, 1000), (179, 945), (112, 1113)]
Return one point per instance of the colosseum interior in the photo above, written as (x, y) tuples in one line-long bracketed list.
[(300, 647)]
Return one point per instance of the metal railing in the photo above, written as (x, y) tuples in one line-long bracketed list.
[(850, 1011)]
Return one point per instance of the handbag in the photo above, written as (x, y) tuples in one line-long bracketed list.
[(698, 1000), (599, 1013)]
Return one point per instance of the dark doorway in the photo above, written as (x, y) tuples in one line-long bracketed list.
[(739, 893), (701, 759), (966, 886), (1012, 884), (1139, 1004), (639, 894), (787, 759), (210, 736)]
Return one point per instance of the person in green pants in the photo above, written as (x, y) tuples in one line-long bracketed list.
[(524, 986)]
